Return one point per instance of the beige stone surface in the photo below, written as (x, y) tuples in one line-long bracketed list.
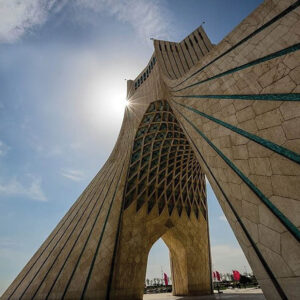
[(99, 249)]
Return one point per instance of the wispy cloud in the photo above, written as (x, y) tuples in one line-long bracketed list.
[(74, 175), (148, 18), (14, 187), (3, 148), (18, 17)]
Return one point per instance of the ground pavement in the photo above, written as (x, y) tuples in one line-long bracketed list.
[(244, 294)]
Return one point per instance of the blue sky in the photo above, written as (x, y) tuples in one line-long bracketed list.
[(62, 95)]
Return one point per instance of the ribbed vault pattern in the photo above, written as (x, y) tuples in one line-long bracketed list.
[(164, 172)]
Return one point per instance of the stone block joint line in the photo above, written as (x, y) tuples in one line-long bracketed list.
[(63, 247), (272, 21), (260, 97), (58, 230), (86, 242), (54, 247), (258, 253), (260, 60), (284, 220), (108, 290), (153, 183), (75, 242), (101, 236), (293, 156)]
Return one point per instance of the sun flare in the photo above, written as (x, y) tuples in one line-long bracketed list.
[(105, 103)]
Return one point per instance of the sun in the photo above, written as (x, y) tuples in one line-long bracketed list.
[(104, 102)]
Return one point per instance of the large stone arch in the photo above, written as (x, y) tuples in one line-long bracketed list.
[(237, 107), (164, 197)]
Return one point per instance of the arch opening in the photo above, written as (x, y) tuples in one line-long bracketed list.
[(158, 267), (164, 197), (168, 255)]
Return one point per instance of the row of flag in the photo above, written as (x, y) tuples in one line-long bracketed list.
[(216, 276), (236, 275)]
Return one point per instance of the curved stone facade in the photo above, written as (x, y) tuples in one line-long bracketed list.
[(230, 111)]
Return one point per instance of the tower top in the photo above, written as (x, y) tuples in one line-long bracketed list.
[(174, 58)]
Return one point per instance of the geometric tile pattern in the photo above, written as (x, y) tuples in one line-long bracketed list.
[(164, 172)]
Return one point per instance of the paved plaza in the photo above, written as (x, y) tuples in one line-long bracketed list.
[(244, 294)]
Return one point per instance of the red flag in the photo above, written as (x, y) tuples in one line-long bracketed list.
[(166, 279), (236, 275), (214, 275), (218, 276)]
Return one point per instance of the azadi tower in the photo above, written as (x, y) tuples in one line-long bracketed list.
[(230, 112)]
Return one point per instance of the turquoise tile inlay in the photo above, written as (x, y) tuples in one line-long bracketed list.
[(247, 65), (101, 236), (268, 144), (255, 248), (284, 220), (255, 32), (262, 97)]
